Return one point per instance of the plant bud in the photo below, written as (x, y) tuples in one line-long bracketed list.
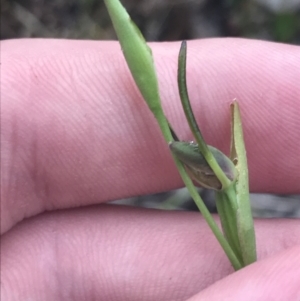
[(197, 167)]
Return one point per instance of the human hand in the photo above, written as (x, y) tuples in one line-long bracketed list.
[(75, 132)]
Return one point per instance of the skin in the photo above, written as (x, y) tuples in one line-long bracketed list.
[(75, 133)]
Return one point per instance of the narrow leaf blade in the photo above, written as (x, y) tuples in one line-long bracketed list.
[(244, 215)]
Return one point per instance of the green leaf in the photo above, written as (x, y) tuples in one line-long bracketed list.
[(137, 53), (245, 224), (203, 147)]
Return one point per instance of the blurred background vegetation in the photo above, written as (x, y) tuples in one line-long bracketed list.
[(159, 20), (165, 20)]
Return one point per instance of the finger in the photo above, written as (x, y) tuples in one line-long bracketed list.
[(118, 253), (276, 278), (75, 130)]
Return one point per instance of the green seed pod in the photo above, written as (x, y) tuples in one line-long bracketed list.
[(197, 167)]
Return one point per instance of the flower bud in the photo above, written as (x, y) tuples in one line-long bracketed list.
[(197, 167)]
